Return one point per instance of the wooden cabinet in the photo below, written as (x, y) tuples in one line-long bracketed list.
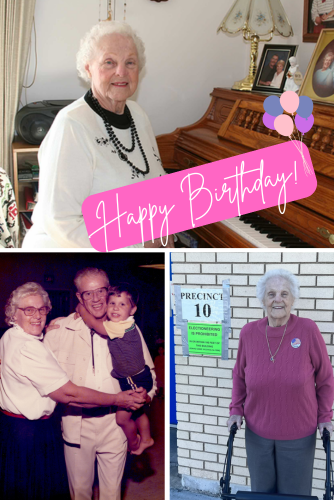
[(22, 153), (232, 125)]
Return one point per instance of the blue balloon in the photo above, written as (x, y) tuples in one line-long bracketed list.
[(273, 106), (305, 107)]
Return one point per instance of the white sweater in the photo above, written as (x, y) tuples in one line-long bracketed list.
[(76, 160)]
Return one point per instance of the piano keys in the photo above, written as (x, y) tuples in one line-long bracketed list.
[(232, 125), (262, 233)]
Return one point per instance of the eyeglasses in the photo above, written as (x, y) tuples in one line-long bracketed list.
[(99, 292), (30, 311)]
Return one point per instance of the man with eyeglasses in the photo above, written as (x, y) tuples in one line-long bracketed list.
[(92, 433)]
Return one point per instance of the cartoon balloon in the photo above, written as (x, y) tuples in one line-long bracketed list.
[(305, 107), (284, 125), (272, 105), (304, 124), (290, 101), (268, 121)]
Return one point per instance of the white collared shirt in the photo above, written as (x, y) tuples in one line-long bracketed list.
[(100, 379), (71, 344), (29, 372)]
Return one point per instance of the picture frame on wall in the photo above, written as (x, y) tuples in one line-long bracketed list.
[(318, 15), (318, 80), (273, 68)]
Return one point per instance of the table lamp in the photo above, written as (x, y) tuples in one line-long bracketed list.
[(256, 19)]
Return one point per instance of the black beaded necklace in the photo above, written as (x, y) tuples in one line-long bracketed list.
[(120, 148)]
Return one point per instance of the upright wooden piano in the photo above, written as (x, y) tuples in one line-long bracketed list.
[(233, 125)]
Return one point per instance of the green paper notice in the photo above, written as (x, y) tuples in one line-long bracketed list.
[(205, 338)]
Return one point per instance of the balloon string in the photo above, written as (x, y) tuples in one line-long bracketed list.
[(307, 168), (298, 133)]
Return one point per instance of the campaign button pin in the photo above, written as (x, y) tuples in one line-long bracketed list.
[(295, 343)]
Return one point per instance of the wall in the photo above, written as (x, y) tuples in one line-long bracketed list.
[(186, 58), (204, 384)]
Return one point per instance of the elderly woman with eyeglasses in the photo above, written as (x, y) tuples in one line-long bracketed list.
[(283, 386), (32, 465), (101, 141)]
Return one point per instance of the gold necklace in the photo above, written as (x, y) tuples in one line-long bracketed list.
[(272, 356)]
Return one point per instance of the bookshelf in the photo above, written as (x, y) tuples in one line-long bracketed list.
[(22, 153)]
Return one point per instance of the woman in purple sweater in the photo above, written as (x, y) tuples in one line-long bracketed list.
[(283, 386)]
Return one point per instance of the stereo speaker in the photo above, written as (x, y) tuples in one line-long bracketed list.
[(33, 121)]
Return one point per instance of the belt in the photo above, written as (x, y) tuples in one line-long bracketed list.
[(9, 414), (98, 412)]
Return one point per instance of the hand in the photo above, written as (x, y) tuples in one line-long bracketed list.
[(53, 325), (170, 242), (155, 244), (142, 392), (232, 419), (318, 20), (158, 244), (325, 425), (131, 400)]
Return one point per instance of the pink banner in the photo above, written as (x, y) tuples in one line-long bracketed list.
[(198, 196)]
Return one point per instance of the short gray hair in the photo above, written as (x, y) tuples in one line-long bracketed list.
[(92, 38), (89, 271), (20, 293), (328, 54), (277, 273)]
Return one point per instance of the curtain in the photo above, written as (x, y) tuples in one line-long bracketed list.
[(16, 18)]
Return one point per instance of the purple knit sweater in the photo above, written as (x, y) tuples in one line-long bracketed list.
[(288, 398)]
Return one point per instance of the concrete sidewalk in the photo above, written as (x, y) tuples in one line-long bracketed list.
[(187, 495)]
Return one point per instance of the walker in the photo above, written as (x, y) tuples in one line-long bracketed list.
[(251, 495)]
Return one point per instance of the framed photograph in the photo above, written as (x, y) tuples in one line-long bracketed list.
[(318, 82), (318, 15), (273, 68)]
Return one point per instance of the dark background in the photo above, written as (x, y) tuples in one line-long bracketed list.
[(56, 271)]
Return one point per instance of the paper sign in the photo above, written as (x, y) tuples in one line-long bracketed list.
[(204, 338), (202, 304), (198, 196)]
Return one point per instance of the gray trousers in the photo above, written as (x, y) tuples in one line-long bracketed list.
[(277, 466)]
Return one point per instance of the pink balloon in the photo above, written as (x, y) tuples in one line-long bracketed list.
[(289, 101), (284, 125)]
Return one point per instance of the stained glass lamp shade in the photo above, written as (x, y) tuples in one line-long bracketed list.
[(258, 20)]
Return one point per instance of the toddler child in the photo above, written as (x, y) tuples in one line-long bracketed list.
[(125, 346)]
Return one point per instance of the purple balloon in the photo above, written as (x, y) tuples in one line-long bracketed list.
[(304, 124), (268, 121)]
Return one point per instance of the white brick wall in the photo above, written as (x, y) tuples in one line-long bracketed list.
[(204, 383)]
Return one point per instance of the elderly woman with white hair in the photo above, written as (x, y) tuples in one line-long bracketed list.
[(323, 77), (278, 76), (32, 464), (283, 386), (100, 142)]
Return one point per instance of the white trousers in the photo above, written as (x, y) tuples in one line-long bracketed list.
[(103, 439)]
